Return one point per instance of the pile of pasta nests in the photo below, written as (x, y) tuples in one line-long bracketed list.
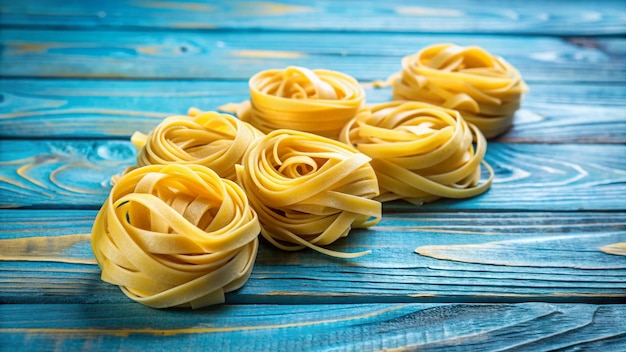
[(304, 161)]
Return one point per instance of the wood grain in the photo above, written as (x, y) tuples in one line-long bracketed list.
[(510, 257), (535, 264), (76, 174), (491, 16), (239, 55), (550, 113), (362, 327)]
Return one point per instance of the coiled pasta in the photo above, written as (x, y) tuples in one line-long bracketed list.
[(420, 152), (176, 235), (315, 101), (212, 139), (486, 89), (309, 190)]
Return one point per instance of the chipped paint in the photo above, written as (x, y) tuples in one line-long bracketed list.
[(566, 252), (44, 248), (614, 248)]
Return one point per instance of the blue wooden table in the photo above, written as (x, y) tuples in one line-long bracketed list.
[(536, 263)]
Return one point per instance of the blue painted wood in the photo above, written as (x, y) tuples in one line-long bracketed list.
[(76, 174), (546, 232), (34, 108), (445, 16), (239, 55), (461, 257), (362, 327)]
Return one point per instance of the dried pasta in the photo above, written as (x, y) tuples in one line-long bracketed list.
[(309, 190), (297, 98), (176, 235), (208, 138), (486, 89), (420, 152)]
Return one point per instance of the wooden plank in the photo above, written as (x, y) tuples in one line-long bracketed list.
[(490, 16), (362, 327), (239, 55), (76, 174), (461, 257), (553, 113)]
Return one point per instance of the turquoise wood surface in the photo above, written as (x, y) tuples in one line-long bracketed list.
[(76, 173), (536, 263), (491, 16), (461, 257), (235, 55), (359, 327), (551, 113)]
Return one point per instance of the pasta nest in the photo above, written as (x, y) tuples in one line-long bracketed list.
[(315, 101), (212, 139), (309, 190), (176, 235), (485, 88), (420, 152)]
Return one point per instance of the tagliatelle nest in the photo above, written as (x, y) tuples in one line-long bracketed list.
[(176, 235), (212, 139), (420, 152), (297, 98), (485, 88), (309, 190)]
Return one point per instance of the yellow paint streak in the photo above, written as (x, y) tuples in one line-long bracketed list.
[(148, 49), (22, 172), (43, 248), (421, 295), (427, 11), (83, 111), (28, 47), (18, 184), (268, 54), (455, 229), (270, 9), (190, 6), (15, 183), (615, 248), (200, 330), (53, 178)]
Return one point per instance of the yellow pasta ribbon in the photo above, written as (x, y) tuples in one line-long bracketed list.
[(420, 152), (309, 190), (176, 235), (486, 89), (212, 139), (297, 98)]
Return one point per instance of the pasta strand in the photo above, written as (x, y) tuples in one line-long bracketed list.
[(486, 89), (176, 235), (207, 138), (308, 190), (297, 98), (420, 152)]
